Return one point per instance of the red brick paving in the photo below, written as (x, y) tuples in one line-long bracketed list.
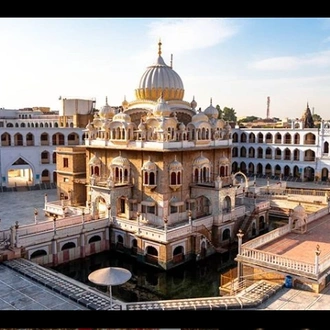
[(302, 246)]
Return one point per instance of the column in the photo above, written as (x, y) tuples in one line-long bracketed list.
[(317, 257), (35, 216), (82, 237), (239, 264), (16, 235)]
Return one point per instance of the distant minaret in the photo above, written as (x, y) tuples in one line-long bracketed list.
[(268, 102)]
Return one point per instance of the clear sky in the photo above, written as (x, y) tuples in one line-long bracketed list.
[(235, 62)]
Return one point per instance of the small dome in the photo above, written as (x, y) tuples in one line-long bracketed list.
[(162, 108), (211, 111), (121, 116), (201, 161), (97, 122), (125, 104), (224, 160), (175, 165), (299, 209), (120, 161), (149, 166), (200, 116), (182, 126), (193, 103), (106, 111)]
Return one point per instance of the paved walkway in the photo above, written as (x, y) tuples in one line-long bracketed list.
[(28, 286), (25, 285)]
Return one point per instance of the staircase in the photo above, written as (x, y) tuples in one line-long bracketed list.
[(248, 220), (208, 235)]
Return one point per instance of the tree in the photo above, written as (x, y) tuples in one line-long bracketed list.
[(317, 117), (248, 119), (229, 114), (219, 110)]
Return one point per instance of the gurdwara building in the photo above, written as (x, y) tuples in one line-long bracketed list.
[(160, 169)]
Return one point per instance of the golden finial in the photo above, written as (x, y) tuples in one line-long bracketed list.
[(159, 48)]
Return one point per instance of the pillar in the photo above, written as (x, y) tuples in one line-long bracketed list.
[(239, 264), (317, 257)]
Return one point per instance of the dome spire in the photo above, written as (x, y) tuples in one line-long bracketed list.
[(211, 101), (159, 48)]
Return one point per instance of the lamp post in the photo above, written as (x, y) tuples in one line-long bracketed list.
[(165, 223), (54, 223), (189, 216), (35, 216), (138, 221), (317, 256), (109, 214), (16, 234), (83, 219)]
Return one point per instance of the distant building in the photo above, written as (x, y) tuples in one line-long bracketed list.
[(29, 138), (297, 152)]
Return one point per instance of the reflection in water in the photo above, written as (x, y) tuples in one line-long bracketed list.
[(193, 280)]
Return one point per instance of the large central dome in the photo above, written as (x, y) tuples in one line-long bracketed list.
[(160, 79)]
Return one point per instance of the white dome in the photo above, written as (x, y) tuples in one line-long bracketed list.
[(158, 78), (201, 161), (120, 161), (211, 111), (122, 117), (200, 116), (162, 108), (106, 111)]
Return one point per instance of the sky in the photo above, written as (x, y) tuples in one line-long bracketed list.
[(231, 62)]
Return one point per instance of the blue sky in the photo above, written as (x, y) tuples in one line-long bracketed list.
[(235, 62)]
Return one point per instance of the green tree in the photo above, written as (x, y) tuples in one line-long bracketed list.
[(317, 117), (248, 119), (219, 110), (229, 114)]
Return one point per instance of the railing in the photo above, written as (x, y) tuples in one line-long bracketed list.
[(279, 262), (249, 252)]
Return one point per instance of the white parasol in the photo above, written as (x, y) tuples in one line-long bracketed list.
[(110, 276)]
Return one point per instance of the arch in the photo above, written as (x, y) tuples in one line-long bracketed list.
[(226, 234), (45, 176), (69, 245), (101, 207), (95, 238), (20, 172), (178, 250), (243, 175), (152, 251), (134, 246), (38, 253)]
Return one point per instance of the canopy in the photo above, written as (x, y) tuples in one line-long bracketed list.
[(110, 276)]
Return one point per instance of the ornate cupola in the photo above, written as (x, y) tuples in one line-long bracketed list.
[(160, 78)]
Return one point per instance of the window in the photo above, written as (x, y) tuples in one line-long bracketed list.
[(151, 209), (65, 162)]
